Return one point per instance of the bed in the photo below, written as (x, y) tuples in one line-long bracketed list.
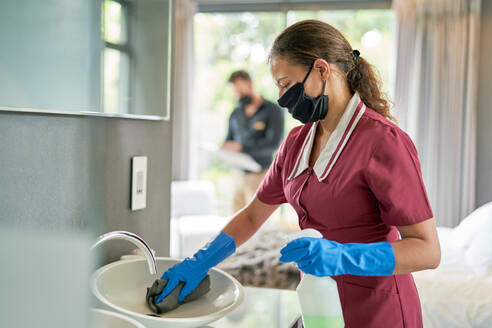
[(454, 297), (459, 292)]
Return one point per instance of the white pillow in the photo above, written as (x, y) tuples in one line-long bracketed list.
[(452, 256), (479, 254), (474, 235), (445, 235), (477, 223)]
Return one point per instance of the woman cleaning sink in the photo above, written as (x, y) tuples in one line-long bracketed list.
[(350, 173)]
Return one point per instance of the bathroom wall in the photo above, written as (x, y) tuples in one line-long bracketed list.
[(62, 172)]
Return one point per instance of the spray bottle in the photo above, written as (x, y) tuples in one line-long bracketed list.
[(318, 296)]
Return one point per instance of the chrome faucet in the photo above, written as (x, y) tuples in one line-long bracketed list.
[(136, 240)]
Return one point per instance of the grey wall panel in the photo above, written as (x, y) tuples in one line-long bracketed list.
[(62, 172), (127, 138), (50, 171)]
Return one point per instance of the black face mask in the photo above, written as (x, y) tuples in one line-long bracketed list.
[(303, 107), (245, 100)]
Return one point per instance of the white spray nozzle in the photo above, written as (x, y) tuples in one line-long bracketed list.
[(309, 232)]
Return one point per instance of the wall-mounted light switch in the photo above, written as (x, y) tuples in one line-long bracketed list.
[(139, 182)]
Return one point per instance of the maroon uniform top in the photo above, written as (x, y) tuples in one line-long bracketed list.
[(365, 182)]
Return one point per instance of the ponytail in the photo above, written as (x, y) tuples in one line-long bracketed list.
[(362, 78)]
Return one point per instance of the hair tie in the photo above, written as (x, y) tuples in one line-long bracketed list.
[(355, 53)]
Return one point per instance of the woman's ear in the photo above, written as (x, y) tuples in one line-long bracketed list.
[(324, 69)]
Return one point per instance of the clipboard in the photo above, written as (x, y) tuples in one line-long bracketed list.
[(232, 158)]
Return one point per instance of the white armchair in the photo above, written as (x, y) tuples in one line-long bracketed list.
[(193, 216)]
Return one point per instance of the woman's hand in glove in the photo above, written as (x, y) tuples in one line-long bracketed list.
[(192, 270), (322, 257)]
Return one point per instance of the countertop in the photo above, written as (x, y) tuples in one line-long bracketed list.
[(262, 307)]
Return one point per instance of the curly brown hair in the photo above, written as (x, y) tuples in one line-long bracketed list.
[(308, 40)]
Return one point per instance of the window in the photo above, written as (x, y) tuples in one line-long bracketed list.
[(225, 42), (116, 57)]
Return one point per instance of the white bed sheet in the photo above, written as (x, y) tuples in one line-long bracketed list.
[(453, 295)]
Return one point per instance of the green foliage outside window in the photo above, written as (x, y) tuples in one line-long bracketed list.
[(225, 42)]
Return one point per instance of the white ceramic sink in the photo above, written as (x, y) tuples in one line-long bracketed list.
[(122, 286), (107, 319)]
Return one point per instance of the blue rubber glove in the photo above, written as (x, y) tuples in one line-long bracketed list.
[(322, 257), (192, 270)]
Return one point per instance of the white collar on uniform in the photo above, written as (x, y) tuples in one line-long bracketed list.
[(336, 137)]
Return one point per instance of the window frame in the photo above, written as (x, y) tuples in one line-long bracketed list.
[(211, 6)]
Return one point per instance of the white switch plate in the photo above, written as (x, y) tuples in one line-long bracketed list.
[(139, 182)]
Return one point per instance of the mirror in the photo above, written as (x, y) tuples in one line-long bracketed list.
[(100, 57)]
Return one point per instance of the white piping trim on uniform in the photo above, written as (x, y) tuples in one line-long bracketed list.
[(359, 115), (331, 145), (308, 140)]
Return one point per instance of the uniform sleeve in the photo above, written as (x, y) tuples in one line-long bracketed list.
[(393, 175), (271, 189)]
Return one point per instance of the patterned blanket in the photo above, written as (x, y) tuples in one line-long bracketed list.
[(256, 262)]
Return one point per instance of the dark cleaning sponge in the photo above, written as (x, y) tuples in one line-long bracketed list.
[(171, 301)]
